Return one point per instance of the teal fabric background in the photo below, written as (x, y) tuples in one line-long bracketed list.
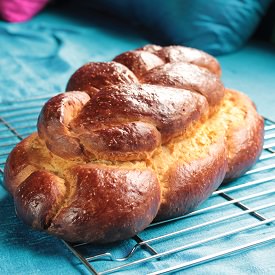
[(216, 26), (37, 58)]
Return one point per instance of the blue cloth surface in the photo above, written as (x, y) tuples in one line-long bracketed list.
[(37, 58), (215, 26)]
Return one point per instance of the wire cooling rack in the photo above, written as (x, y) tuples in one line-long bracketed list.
[(205, 235)]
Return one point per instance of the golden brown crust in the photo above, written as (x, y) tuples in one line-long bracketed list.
[(117, 117), (174, 54), (245, 140), (187, 76), (176, 66), (80, 202), (37, 196), (139, 62), (189, 184), (95, 75), (132, 141), (53, 123), (169, 110), (121, 203), (18, 165), (120, 152)]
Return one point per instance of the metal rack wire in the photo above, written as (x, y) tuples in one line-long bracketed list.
[(245, 204)]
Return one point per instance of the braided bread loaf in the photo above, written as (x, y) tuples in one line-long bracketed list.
[(147, 136)]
